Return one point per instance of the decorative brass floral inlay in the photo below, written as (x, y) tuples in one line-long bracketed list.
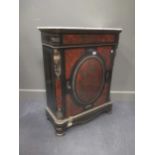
[(57, 62)]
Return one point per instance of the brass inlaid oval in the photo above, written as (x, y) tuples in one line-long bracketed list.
[(88, 79)]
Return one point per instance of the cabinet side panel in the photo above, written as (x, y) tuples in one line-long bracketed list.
[(49, 78)]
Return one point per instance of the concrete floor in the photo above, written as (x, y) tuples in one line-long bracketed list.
[(109, 134)]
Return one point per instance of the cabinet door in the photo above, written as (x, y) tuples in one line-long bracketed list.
[(87, 78)]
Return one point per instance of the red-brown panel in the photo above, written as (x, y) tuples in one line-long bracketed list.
[(104, 96), (58, 94), (72, 108), (87, 38), (71, 57), (89, 80), (105, 52)]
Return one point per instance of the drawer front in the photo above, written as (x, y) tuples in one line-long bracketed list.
[(65, 40), (76, 39)]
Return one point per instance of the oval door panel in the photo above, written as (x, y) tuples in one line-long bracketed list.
[(88, 79)]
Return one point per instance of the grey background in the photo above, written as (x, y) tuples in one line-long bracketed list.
[(92, 13)]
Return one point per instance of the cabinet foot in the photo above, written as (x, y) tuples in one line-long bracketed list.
[(60, 131)]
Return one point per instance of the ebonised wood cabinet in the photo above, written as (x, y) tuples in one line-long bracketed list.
[(78, 65)]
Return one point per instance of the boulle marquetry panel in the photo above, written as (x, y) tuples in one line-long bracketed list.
[(78, 65)]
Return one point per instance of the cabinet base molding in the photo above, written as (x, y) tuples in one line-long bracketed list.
[(61, 125)]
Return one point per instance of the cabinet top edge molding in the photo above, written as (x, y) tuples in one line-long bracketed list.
[(77, 29)]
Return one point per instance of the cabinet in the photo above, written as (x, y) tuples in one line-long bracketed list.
[(78, 65)]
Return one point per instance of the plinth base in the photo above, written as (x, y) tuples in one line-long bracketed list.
[(62, 124)]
